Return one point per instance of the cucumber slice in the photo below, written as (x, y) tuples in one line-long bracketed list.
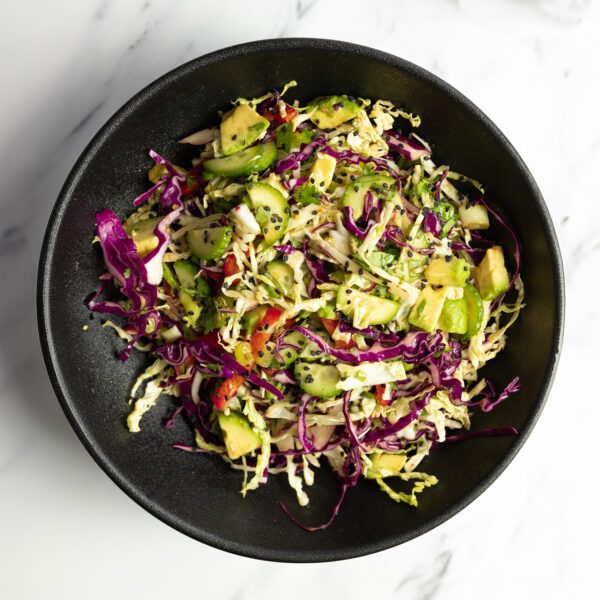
[(245, 162), (209, 244), (186, 272), (271, 210), (282, 275), (309, 351), (381, 186), (377, 311), (169, 277), (318, 380), (474, 310)]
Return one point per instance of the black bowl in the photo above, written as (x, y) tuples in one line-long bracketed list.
[(199, 495)]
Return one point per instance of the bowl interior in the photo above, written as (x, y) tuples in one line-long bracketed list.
[(197, 494)]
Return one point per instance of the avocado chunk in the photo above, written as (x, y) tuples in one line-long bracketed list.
[(142, 234), (453, 317), (321, 172), (491, 275), (244, 162), (426, 311), (332, 111), (474, 310), (385, 464), (373, 310), (241, 128), (453, 272), (474, 217), (271, 210), (238, 435), (318, 380), (209, 244)]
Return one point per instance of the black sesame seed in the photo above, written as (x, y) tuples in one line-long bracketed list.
[(409, 237), (266, 230), (447, 258), (347, 264), (409, 254), (234, 137), (306, 368), (348, 291), (277, 227), (398, 207), (361, 271), (267, 208), (261, 353), (356, 188)]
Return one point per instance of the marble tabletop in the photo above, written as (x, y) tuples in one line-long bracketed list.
[(66, 530)]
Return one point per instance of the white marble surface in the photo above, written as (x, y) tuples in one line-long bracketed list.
[(66, 531)]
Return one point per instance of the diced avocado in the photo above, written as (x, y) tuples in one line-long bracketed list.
[(142, 234), (238, 435), (381, 186), (426, 311), (321, 172), (491, 275), (209, 244), (271, 210), (192, 310), (169, 277), (474, 216), (386, 465), (453, 317), (453, 272), (332, 111), (317, 380), (245, 162), (186, 272), (373, 309), (283, 276), (474, 310), (241, 128)]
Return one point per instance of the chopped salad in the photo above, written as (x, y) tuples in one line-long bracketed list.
[(313, 290)]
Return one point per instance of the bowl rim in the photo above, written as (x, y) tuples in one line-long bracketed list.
[(51, 357)]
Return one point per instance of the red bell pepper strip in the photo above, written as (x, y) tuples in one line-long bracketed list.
[(231, 267), (227, 390), (262, 334), (274, 116), (379, 391), (331, 325), (190, 188)]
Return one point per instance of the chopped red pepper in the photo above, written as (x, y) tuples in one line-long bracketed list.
[(274, 116), (379, 391), (331, 325), (190, 188), (262, 334), (231, 267), (227, 390)]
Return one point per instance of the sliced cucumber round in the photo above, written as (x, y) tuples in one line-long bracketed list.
[(381, 186), (271, 210), (474, 310), (318, 380), (245, 162), (209, 244), (378, 311)]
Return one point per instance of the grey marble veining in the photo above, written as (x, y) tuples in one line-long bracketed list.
[(67, 531)]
